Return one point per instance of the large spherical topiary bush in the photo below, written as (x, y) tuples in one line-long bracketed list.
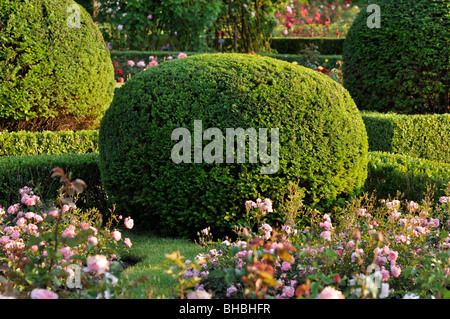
[(322, 140), (54, 73), (404, 65)]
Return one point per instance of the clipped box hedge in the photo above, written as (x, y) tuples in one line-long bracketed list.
[(326, 46), (424, 136), (48, 143), (387, 173), (35, 171)]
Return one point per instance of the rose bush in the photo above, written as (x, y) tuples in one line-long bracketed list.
[(386, 249), (54, 250)]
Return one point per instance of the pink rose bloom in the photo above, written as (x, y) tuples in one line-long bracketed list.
[(385, 275), (351, 244), (326, 235), (330, 293), (93, 240), (4, 239), (395, 270), (285, 266), (129, 223), (127, 242), (21, 222), (65, 208), (199, 294), (231, 291), (182, 55), (169, 57), (153, 63), (13, 209), (69, 232), (54, 213), (116, 235), (98, 264), (327, 225), (34, 248), (393, 255), (131, 63), (29, 215), (43, 294), (15, 235), (141, 64)]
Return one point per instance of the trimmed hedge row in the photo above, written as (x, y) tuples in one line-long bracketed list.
[(387, 173), (122, 56), (48, 143), (34, 171), (424, 136), (326, 46)]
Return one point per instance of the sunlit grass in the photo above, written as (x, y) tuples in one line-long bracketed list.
[(150, 252)]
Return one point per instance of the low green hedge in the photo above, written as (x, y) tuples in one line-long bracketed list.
[(424, 136), (48, 143), (122, 56), (387, 173), (326, 46), (35, 171)]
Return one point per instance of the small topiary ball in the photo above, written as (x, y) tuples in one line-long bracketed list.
[(169, 159), (55, 69), (402, 64)]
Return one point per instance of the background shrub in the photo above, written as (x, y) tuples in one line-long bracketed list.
[(404, 65), (424, 136), (326, 46), (48, 143), (389, 173), (53, 77), (323, 142)]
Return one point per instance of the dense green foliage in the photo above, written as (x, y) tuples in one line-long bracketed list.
[(326, 46), (53, 74), (35, 171), (187, 25), (403, 66), (323, 142), (424, 136), (391, 173), (48, 143)]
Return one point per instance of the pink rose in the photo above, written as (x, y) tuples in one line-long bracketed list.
[(395, 270), (127, 242), (93, 240), (43, 294), (129, 223), (182, 55), (116, 235), (285, 266), (393, 255), (330, 293), (98, 264)]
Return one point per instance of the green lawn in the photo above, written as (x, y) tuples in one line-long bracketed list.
[(150, 253)]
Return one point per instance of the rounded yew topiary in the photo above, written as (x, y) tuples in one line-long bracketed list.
[(403, 63), (322, 141), (55, 69)]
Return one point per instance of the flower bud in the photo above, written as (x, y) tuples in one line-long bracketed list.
[(357, 235)]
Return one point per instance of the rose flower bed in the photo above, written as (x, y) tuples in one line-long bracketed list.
[(54, 250), (370, 249)]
